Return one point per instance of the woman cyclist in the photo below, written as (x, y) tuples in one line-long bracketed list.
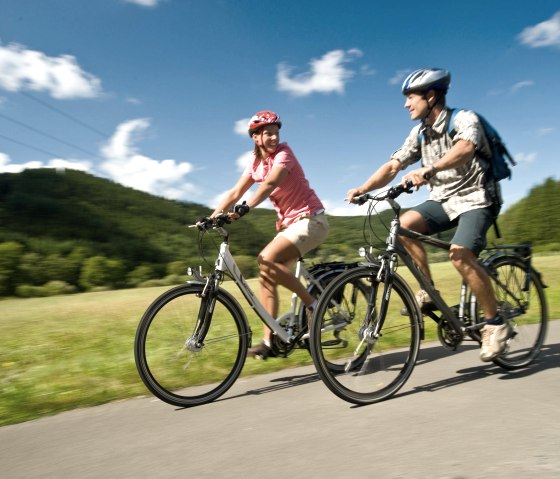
[(302, 224)]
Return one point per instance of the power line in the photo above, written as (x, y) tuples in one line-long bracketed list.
[(63, 113), (47, 135), (55, 155)]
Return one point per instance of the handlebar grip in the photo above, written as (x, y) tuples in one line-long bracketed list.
[(205, 222), (361, 199), (429, 174), (241, 209)]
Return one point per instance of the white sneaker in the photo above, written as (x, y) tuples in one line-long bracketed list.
[(424, 301), (494, 340)]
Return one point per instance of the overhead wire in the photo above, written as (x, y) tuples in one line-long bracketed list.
[(40, 150), (46, 135), (52, 137), (67, 115)]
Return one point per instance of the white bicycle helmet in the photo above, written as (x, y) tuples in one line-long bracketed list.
[(426, 79)]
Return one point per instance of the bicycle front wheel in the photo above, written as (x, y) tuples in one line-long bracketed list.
[(521, 300), (366, 356), (184, 361)]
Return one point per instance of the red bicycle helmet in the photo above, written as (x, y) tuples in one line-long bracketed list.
[(263, 118)]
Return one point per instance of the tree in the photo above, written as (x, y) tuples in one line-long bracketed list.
[(99, 271), (141, 273), (10, 257)]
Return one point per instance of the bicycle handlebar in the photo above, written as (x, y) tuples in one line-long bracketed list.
[(205, 223), (390, 194)]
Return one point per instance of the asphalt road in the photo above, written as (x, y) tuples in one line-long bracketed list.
[(455, 418)]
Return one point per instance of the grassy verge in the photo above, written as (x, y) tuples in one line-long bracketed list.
[(65, 352)]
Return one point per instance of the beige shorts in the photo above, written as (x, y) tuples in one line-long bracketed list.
[(307, 233)]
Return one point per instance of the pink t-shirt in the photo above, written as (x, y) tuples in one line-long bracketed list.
[(293, 198)]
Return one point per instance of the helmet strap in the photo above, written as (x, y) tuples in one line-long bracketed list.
[(439, 94), (270, 151)]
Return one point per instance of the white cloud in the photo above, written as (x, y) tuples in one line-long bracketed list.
[(61, 164), (525, 157), (544, 34), (244, 160), (341, 208), (241, 127), (545, 131), (327, 74), (6, 165), (144, 3), (399, 77), (126, 166), (522, 84), (512, 90), (62, 77)]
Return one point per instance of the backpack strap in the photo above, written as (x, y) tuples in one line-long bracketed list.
[(452, 132), (450, 126)]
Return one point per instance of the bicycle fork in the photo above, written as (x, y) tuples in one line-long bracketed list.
[(195, 342)]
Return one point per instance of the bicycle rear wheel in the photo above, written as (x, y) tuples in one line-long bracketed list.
[(520, 295), (367, 369), (347, 302), (178, 366)]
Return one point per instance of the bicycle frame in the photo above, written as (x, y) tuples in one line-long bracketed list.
[(225, 263), (396, 248)]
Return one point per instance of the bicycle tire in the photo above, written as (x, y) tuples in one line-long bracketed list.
[(529, 324), (184, 377), (389, 360), (349, 303)]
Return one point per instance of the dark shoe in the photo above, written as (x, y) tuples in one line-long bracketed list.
[(424, 301), (261, 351)]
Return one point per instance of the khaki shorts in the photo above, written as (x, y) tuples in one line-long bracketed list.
[(306, 233)]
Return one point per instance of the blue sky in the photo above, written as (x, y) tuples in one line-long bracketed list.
[(155, 94)]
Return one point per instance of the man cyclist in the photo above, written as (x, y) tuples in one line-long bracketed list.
[(460, 194)]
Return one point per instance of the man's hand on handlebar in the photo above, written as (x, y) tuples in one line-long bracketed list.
[(419, 176), (353, 195)]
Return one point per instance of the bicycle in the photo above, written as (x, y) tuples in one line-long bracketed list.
[(192, 341), (392, 324)]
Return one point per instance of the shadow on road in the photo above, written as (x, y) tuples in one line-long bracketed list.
[(278, 384), (548, 359)]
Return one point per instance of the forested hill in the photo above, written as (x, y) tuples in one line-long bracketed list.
[(89, 232), (536, 218), (50, 211)]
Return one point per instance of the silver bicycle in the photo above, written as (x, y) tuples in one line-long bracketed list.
[(192, 341)]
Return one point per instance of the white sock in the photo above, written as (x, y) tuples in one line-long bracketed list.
[(313, 305), (267, 342)]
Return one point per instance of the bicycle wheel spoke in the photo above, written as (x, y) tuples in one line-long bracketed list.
[(372, 366), (172, 362), (521, 300)]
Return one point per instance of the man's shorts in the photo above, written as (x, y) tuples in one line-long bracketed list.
[(307, 233), (472, 225)]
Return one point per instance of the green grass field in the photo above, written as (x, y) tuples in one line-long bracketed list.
[(66, 352)]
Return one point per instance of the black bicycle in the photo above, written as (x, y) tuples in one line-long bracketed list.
[(391, 324)]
